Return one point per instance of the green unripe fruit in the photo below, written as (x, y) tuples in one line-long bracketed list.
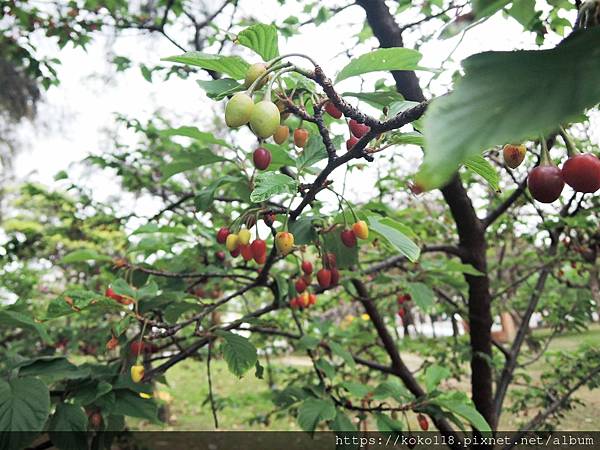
[(238, 110), (253, 72), (264, 119)]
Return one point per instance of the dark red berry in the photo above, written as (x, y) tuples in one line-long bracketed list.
[(324, 278), (330, 260), (351, 142), (220, 255), (307, 267), (261, 158), (300, 285), (582, 172), (269, 218), (259, 249), (358, 129), (545, 183), (332, 110), (235, 252), (348, 238), (423, 422), (335, 276), (246, 252), (222, 235)]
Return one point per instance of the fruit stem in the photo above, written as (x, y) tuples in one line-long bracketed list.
[(137, 357), (571, 148), (544, 155), (288, 55), (275, 77), (262, 76), (287, 216)]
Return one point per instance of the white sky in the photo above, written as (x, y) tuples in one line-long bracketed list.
[(83, 105)]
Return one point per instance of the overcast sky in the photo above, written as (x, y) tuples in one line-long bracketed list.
[(82, 107)]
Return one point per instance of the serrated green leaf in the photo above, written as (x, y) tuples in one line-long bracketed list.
[(188, 160), (409, 138), (262, 39), (434, 375), (307, 342), (396, 238), (342, 422), (487, 108), (129, 403), (202, 137), (24, 408), (221, 88), (269, 184), (313, 152), (340, 351), (313, 411), (234, 66), (386, 424), (239, 352), (67, 426), (422, 295), (15, 319), (459, 404), (483, 168), (303, 230), (383, 59)]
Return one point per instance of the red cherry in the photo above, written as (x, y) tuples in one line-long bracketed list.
[(294, 303), (300, 137), (222, 235), (401, 313), (269, 219), (330, 260), (582, 172), (307, 267), (312, 299), (246, 252), (335, 276), (351, 142), (262, 259), (259, 248), (95, 419), (545, 183), (358, 129), (261, 158), (300, 285), (220, 255), (324, 278), (235, 252), (423, 423), (332, 110), (348, 238), (110, 293)]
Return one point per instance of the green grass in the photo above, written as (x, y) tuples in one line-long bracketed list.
[(241, 401)]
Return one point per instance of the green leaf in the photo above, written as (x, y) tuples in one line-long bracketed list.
[(394, 389), (262, 39), (67, 426), (483, 168), (234, 66), (205, 198), (377, 99), (357, 389), (413, 138), (90, 391), (73, 301), (303, 230), (129, 403), (386, 424), (399, 240), (422, 295), (84, 255), (487, 107), (221, 88), (324, 366), (434, 375), (340, 351), (24, 407), (458, 403), (279, 156), (239, 352), (14, 319), (383, 59), (202, 137), (345, 257), (52, 367), (307, 342), (269, 184), (314, 410), (342, 422), (313, 152), (188, 160)]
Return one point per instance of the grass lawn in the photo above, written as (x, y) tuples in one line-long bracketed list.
[(242, 400)]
